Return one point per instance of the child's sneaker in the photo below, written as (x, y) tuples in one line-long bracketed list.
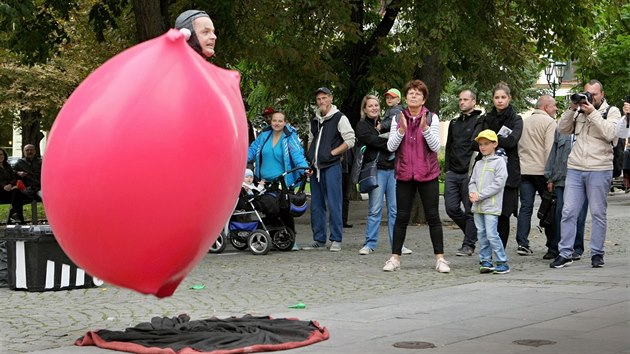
[(501, 268), (485, 267)]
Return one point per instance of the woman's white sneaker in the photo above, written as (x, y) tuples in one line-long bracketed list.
[(441, 265), (391, 265)]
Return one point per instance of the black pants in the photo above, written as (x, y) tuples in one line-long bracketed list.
[(15, 198), (346, 189), (429, 193), (510, 207), (456, 196)]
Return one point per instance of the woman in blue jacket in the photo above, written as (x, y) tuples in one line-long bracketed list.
[(277, 149)]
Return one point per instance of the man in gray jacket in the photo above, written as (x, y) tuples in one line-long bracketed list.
[(589, 170)]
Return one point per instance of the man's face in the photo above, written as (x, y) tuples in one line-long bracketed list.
[(598, 94), (551, 108), (324, 102), (466, 102), (204, 29), (29, 152)]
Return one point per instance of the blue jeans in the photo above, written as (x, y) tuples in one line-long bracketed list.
[(578, 245), (530, 185), (581, 185), (456, 195), (326, 198), (386, 187), (488, 236)]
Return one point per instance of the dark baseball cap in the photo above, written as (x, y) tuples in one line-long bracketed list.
[(325, 90)]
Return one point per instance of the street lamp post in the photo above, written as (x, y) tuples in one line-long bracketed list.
[(554, 71)]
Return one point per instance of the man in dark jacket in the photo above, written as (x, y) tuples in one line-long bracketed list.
[(29, 170), (330, 135), (456, 164)]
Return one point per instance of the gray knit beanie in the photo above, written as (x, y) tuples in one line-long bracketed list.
[(185, 20)]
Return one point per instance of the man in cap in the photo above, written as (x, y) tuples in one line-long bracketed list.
[(202, 37), (329, 136)]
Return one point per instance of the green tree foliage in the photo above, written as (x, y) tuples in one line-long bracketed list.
[(606, 57), (285, 49)]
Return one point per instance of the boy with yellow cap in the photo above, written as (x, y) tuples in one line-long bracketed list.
[(486, 194)]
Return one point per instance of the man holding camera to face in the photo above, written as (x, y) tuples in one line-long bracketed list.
[(589, 169)]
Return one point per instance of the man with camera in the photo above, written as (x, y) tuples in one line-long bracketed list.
[(589, 169)]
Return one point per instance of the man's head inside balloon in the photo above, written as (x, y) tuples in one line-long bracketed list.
[(202, 38)]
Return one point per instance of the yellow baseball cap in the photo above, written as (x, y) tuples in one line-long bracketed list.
[(488, 134)]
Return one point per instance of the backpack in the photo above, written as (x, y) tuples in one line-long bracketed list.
[(617, 151)]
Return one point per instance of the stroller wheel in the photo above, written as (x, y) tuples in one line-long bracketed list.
[(259, 242), (239, 239), (219, 245), (284, 239)]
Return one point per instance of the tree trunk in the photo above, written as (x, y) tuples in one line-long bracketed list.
[(31, 130), (359, 54), (432, 72), (151, 18)]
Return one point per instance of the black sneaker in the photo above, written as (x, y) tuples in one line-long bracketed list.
[(465, 251), (597, 261), (560, 262), (524, 251), (550, 255), (576, 256)]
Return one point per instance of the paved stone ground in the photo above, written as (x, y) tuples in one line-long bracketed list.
[(239, 283)]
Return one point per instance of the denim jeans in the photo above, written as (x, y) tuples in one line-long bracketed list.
[(456, 194), (429, 193), (578, 245), (326, 199), (530, 185), (581, 185), (489, 240), (386, 187)]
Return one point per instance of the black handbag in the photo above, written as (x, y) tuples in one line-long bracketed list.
[(547, 210), (357, 163), (368, 178)]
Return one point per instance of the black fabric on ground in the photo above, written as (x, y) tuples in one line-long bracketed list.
[(207, 335)]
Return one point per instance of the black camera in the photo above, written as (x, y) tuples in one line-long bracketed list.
[(582, 97)]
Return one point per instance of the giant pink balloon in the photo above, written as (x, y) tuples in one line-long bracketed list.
[(144, 163)]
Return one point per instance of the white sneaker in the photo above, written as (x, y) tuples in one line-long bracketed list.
[(441, 265), (406, 250), (365, 250), (391, 265), (335, 246)]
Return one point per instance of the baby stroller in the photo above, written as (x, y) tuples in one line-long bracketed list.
[(256, 222)]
